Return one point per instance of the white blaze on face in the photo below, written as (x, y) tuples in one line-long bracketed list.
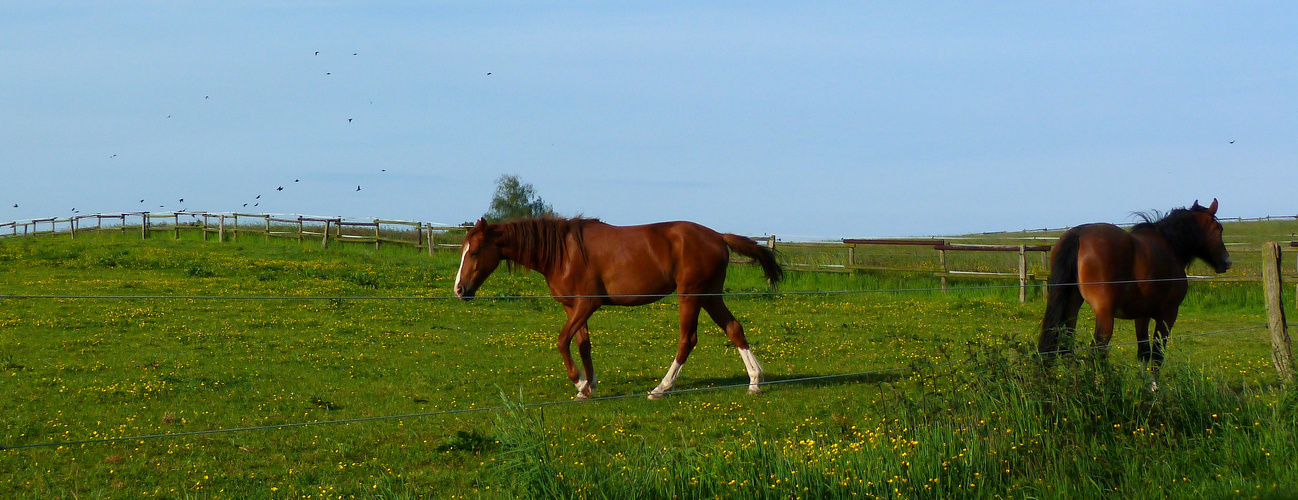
[(463, 255)]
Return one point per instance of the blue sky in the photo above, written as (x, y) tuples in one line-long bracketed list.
[(821, 120)]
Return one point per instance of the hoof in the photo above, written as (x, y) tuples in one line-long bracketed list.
[(655, 396), (580, 397), (754, 390)]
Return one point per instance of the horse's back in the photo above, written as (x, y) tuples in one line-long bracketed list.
[(656, 258), (1104, 251)]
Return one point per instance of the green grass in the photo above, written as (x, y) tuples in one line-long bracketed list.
[(946, 383)]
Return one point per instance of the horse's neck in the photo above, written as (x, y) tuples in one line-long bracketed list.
[(1163, 246), (530, 253)]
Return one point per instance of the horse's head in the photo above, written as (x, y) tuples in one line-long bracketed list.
[(478, 258), (1213, 250)]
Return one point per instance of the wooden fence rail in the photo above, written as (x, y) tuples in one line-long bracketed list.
[(842, 256), (229, 227)]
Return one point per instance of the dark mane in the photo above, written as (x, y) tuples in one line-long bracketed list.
[(540, 244), (1179, 227)]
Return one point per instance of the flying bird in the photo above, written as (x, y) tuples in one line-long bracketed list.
[(349, 120), (295, 180), (182, 200), (1232, 142), (206, 96), (488, 74), (258, 197), (281, 188), (141, 201), (317, 52), (245, 204), (358, 188), (114, 156), (15, 205)]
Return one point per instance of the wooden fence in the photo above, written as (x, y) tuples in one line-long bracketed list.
[(928, 255), (230, 227)]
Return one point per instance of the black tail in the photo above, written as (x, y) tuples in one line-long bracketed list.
[(1062, 291), (764, 255)]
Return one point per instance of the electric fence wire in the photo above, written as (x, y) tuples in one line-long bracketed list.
[(462, 411), (772, 293)]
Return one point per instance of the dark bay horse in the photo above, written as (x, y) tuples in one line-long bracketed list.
[(589, 264), (1138, 275)]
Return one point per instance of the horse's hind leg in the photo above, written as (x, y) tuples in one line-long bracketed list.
[(1103, 329), (689, 314), (721, 314)]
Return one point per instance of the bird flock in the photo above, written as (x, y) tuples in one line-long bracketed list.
[(255, 201)]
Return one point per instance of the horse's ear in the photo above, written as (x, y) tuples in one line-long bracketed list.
[(1212, 209), (482, 222), (1196, 205)]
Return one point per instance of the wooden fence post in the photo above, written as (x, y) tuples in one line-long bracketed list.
[(299, 229), (1023, 274), (851, 255), (72, 227), (144, 226), (941, 258), (220, 231), (234, 230), (267, 228), (175, 223), (432, 242), (376, 235), (1281, 349), (324, 241)]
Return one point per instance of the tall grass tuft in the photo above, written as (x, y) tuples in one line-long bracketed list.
[(999, 424)]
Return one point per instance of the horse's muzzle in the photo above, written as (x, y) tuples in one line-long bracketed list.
[(463, 294)]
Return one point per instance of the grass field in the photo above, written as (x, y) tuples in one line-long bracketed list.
[(943, 402)]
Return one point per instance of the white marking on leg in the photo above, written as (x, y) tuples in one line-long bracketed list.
[(584, 388), (754, 370), (460, 271), (668, 382)]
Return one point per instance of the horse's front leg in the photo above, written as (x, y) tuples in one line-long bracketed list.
[(586, 381), (583, 380), (1162, 330)]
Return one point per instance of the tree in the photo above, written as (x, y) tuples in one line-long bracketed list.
[(515, 199)]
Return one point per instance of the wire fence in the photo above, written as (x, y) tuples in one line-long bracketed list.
[(595, 400), (64, 444), (774, 293)]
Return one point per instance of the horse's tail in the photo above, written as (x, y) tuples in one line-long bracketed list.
[(1062, 289), (764, 255)]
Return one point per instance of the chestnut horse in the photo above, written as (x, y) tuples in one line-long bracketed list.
[(589, 264), (1137, 275)]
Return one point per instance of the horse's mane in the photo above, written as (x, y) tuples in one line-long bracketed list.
[(541, 243), (1179, 227)]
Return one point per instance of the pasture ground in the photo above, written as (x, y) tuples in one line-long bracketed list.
[(945, 403)]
